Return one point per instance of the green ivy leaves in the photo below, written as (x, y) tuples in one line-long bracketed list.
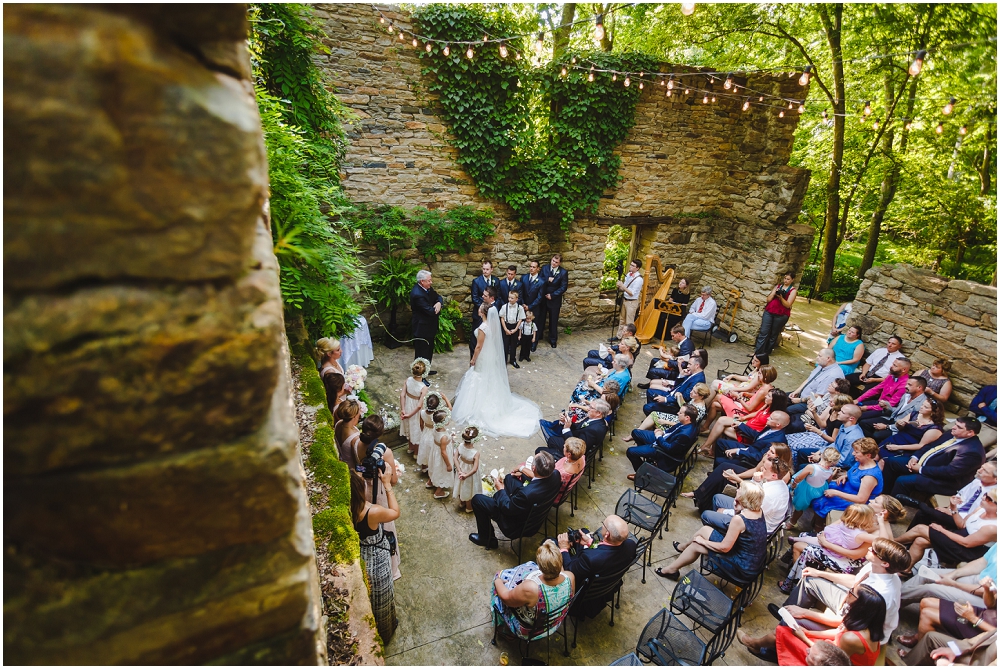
[(542, 143)]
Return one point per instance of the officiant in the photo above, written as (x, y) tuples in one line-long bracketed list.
[(425, 305)]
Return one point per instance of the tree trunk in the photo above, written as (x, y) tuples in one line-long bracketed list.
[(560, 36), (830, 237)]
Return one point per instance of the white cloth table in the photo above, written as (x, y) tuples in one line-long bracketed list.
[(357, 348)]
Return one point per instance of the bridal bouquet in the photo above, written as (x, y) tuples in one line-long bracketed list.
[(355, 377), (488, 487)]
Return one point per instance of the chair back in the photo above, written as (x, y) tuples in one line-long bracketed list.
[(697, 598), (534, 520), (567, 487), (666, 641), (548, 620), (654, 480)]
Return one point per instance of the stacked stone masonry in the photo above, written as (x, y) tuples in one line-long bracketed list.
[(155, 511), (937, 317), (699, 165)]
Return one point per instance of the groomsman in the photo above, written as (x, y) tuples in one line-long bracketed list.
[(480, 284), (556, 282), (532, 296), (509, 284)]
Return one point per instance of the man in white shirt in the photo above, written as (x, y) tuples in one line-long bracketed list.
[(876, 366), (960, 505), (701, 315), (631, 287), (511, 316), (774, 506)]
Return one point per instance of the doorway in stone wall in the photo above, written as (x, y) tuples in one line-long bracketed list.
[(616, 255)]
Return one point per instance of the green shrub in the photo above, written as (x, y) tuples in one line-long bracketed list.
[(450, 316)]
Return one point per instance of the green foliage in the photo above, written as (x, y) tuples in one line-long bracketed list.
[(541, 142), (432, 231), (384, 227), (320, 274), (450, 316), (615, 251), (843, 288), (392, 283)]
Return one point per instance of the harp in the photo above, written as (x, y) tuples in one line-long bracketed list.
[(658, 304)]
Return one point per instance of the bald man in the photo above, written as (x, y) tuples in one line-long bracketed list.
[(849, 433), (615, 552)]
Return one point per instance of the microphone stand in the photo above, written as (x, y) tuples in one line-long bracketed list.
[(617, 304)]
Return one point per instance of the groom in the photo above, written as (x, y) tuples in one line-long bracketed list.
[(479, 286)]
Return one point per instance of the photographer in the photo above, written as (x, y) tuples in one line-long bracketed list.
[(614, 551), (369, 453), (369, 522)]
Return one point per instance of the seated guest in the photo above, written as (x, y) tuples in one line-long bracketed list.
[(740, 552), (825, 431), (666, 401), (591, 387), (740, 404), (732, 385), (970, 540), (819, 590), (666, 386), (512, 502), (914, 437), (848, 434), (876, 366), (880, 398), (625, 331), (745, 427), (859, 634), (984, 407), (680, 295), (666, 365), (862, 482), (570, 467), (664, 448), (731, 472), (772, 476), (627, 347), (751, 452), (946, 651), (532, 589), (825, 654), (848, 349), (592, 431), (816, 384), (701, 315), (965, 501), (661, 421), (578, 412), (614, 551), (943, 469), (962, 584), (805, 414), (884, 426), (959, 619), (938, 383)]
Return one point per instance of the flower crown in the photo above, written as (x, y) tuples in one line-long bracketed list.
[(423, 402), (447, 416), (479, 437), (427, 364)]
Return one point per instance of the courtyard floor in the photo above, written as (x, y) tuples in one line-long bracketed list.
[(443, 597)]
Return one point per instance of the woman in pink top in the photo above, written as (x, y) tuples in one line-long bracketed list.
[(777, 309)]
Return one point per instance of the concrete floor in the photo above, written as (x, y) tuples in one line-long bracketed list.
[(443, 597)]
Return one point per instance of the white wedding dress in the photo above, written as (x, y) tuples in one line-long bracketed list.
[(483, 396)]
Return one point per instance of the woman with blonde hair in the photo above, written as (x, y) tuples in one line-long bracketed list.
[(530, 590), (739, 402), (346, 433)]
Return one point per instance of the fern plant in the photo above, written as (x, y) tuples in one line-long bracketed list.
[(391, 286)]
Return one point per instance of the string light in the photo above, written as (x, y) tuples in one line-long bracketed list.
[(761, 99), (948, 108), (940, 127), (599, 28), (428, 47), (640, 85), (781, 114), (663, 82), (485, 39), (415, 43), (802, 108), (704, 100), (875, 125), (729, 82), (804, 79), (867, 110), (590, 77), (446, 50), (687, 8), (908, 124), (381, 19), (614, 77), (628, 82), (963, 130), (918, 63), (562, 73), (687, 91), (401, 36), (503, 50), (540, 44), (573, 60), (791, 105), (470, 53), (826, 117), (390, 28), (670, 83), (713, 98), (746, 104), (669, 93)]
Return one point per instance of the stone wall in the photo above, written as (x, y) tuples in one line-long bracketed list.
[(154, 503), (937, 317), (680, 158)]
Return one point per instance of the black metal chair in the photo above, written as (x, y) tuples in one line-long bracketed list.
[(533, 523), (605, 590), (711, 611), (644, 513), (544, 628), (666, 641), (571, 496), (724, 371), (748, 584), (630, 660)]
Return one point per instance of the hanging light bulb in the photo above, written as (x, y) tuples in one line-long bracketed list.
[(485, 39), (614, 77), (590, 77), (401, 36), (804, 79), (802, 109), (687, 8), (390, 28), (868, 108), (760, 99), (875, 125), (704, 100), (599, 27), (415, 43), (940, 127), (381, 19), (963, 130), (663, 82), (428, 47), (687, 91), (670, 93), (781, 114), (640, 85), (628, 82), (729, 82), (826, 117), (470, 53), (562, 72), (746, 104), (714, 98), (670, 83), (791, 105), (540, 44), (503, 50), (517, 55), (948, 108), (446, 51), (918, 63)]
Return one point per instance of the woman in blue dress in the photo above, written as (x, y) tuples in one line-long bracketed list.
[(861, 483), (848, 349), (590, 389)]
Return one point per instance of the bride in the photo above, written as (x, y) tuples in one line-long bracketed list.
[(483, 396)]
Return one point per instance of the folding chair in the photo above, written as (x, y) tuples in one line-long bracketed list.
[(667, 641), (630, 660), (724, 371)]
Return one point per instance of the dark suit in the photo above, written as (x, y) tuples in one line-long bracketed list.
[(671, 406), (665, 451), (749, 454), (510, 507), (550, 306), (505, 290), (424, 322), (592, 431), (532, 297), (599, 560), (479, 284), (942, 474), (671, 371)]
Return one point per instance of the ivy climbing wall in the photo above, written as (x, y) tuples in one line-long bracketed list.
[(154, 506), (707, 185)]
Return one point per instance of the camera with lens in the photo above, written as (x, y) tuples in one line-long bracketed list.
[(373, 463), (574, 536)]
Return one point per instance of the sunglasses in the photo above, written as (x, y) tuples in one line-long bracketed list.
[(875, 553), (933, 401)]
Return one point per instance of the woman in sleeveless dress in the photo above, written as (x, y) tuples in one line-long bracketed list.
[(524, 593), (371, 429), (375, 549), (483, 396), (346, 433)]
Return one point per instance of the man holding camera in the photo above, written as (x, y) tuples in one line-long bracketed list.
[(615, 551), (512, 502)]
